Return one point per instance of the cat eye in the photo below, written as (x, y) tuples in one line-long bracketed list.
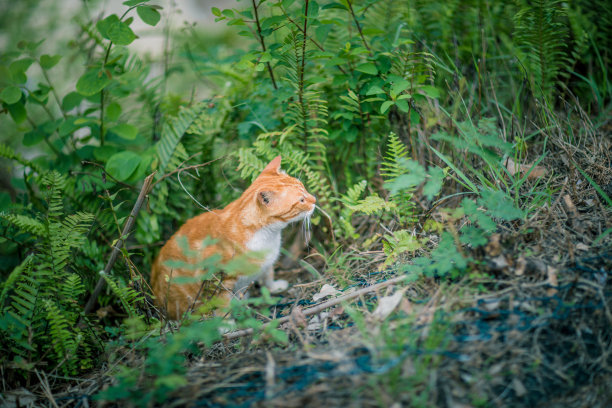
[(302, 200)]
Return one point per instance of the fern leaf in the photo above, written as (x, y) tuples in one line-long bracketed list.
[(25, 224), (372, 204), (7, 152), (542, 39), (396, 150), (13, 277), (172, 132)]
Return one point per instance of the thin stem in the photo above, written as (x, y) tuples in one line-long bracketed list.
[(45, 138), (263, 44), (365, 43), (321, 307), (146, 187), (110, 44), (59, 104), (312, 40), (301, 84)]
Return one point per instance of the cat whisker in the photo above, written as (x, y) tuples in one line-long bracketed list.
[(178, 176), (331, 224), (306, 229)]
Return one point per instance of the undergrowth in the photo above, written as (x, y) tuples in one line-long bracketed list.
[(424, 129)]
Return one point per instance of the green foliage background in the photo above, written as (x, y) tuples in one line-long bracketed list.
[(376, 105)]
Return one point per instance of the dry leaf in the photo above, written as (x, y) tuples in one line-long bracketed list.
[(536, 171), (406, 306), (387, 304), (105, 311), (519, 388), (499, 262), (552, 280), (270, 375), (569, 204), (317, 321), (493, 248), (521, 264), (582, 247), (298, 318), (326, 290), (18, 398)]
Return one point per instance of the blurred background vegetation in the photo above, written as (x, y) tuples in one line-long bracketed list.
[(385, 109)]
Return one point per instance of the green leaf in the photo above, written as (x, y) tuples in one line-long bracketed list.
[(473, 236), (10, 95), (434, 182), (113, 111), (430, 91), (18, 69), (115, 30), (149, 15), (500, 205), (413, 176), (398, 87), (17, 111), (216, 11), (385, 106), (71, 101), (48, 61), (367, 68), (125, 131), (403, 105), (375, 90), (131, 3), (92, 82), (313, 9), (122, 165), (33, 137)]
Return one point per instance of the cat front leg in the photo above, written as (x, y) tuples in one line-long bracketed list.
[(275, 286)]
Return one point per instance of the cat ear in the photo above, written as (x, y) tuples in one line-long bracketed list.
[(274, 165), (264, 197)]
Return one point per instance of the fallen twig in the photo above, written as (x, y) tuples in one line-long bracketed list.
[(318, 308), (146, 187)]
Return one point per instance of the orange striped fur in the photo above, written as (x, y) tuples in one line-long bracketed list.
[(251, 223)]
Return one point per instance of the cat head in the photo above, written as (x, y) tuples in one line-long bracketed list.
[(280, 197)]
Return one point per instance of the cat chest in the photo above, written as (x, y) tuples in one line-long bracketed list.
[(268, 242)]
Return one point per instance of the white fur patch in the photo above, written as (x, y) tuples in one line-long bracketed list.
[(267, 241)]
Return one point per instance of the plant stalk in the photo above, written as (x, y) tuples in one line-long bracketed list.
[(146, 187), (263, 44)]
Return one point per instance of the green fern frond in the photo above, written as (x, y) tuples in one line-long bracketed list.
[(126, 295), (72, 289), (348, 202), (65, 338), (7, 152), (25, 223), (55, 184), (372, 204), (390, 168), (541, 36), (13, 277), (42, 305), (173, 131), (352, 195)]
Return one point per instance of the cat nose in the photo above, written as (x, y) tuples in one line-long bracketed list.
[(312, 198)]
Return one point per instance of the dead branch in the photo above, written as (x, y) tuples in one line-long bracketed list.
[(146, 187), (318, 308)]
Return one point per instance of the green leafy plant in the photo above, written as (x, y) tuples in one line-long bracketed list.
[(39, 306)]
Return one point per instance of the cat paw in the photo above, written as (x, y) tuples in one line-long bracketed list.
[(278, 286), (229, 325)]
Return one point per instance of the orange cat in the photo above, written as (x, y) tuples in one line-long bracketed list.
[(251, 223)]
